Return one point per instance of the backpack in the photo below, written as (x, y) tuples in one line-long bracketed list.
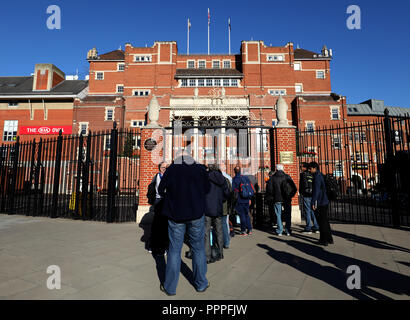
[(309, 184), (288, 189), (152, 192), (332, 188), (246, 189)]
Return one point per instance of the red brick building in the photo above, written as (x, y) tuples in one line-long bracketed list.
[(38, 105), (122, 84)]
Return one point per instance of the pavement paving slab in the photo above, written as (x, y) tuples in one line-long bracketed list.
[(110, 261)]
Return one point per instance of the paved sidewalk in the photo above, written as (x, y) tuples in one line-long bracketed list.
[(109, 261)]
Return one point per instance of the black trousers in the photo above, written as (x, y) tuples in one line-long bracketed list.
[(216, 223), (159, 230), (324, 225)]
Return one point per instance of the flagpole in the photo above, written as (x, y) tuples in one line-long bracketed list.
[(209, 17), (229, 29), (187, 50)]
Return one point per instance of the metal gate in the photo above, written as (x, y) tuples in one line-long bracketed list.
[(244, 143), (370, 161), (92, 177)]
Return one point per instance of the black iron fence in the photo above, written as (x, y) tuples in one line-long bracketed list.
[(92, 177), (370, 161)]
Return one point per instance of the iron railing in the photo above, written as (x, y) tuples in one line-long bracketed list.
[(92, 177)]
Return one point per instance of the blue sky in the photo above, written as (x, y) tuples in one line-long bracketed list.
[(369, 63)]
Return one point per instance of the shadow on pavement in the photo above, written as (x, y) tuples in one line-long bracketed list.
[(145, 224), (371, 275), (368, 241)]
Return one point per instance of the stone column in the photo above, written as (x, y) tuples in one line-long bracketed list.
[(151, 155), (285, 152)]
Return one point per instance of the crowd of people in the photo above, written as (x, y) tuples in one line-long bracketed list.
[(199, 205)]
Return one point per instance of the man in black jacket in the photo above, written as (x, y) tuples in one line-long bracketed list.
[(184, 187), (305, 190), (281, 190), (218, 194)]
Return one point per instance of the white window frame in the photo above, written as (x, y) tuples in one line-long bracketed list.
[(120, 64), (106, 113), (13, 106), (340, 138), (223, 64), (213, 64), (119, 85), (235, 85), (201, 82), (187, 64), (298, 85), (10, 125), (141, 90), (317, 74), (307, 127), (199, 64), (192, 81), (209, 82), (226, 82), (140, 123), (277, 92), (147, 58), (216, 80), (184, 83), (331, 112), (297, 64), (275, 58), (80, 124), (107, 137), (99, 72)]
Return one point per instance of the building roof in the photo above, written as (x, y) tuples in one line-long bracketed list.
[(23, 86), (375, 108), (113, 55), (208, 73), (302, 54)]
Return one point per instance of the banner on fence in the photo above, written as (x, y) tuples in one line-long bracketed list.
[(43, 130)]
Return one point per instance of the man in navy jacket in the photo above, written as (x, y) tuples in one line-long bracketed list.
[(184, 187), (320, 204)]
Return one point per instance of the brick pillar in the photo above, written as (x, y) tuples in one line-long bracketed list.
[(149, 160), (285, 153)]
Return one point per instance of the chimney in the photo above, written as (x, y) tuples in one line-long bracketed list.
[(46, 77)]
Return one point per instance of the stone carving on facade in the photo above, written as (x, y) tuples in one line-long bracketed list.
[(282, 112), (153, 112)]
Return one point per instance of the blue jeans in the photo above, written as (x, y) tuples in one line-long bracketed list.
[(196, 235), (310, 215), (225, 231), (243, 210), (286, 216)]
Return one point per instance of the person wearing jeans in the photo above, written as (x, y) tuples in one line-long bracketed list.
[(280, 189), (310, 216), (184, 187), (196, 234), (242, 204), (287, 208), (306, 189)]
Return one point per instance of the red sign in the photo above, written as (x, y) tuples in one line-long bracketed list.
[(45, 130)]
